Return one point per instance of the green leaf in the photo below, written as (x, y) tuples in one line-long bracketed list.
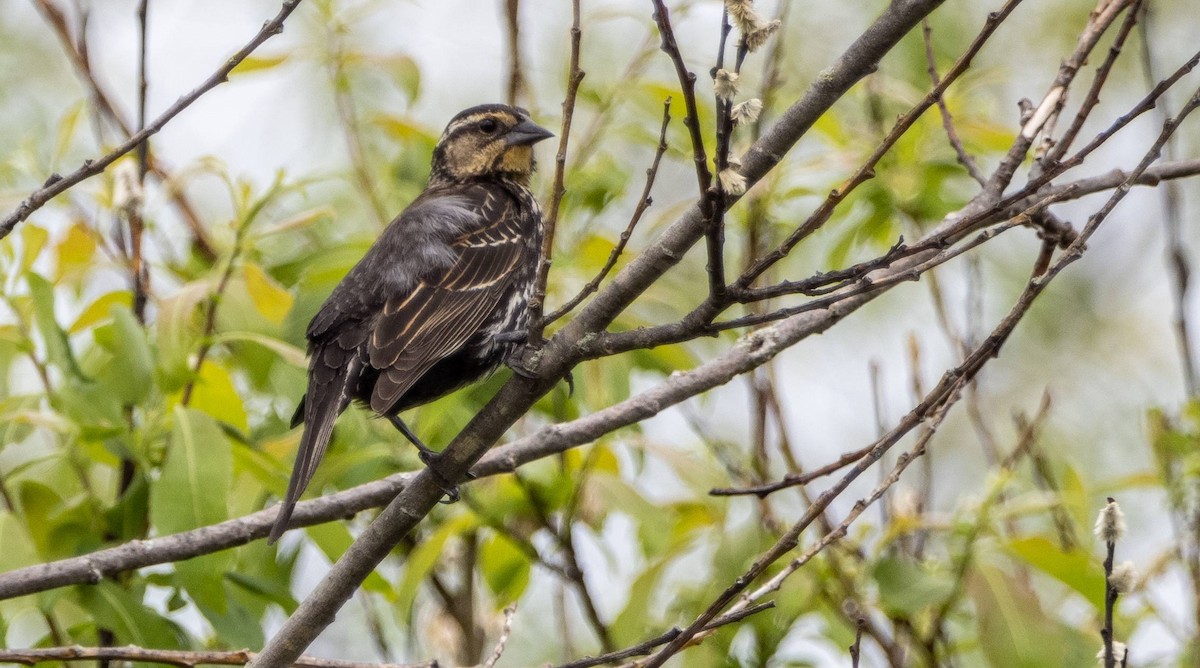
[(259, 64), (1076, 568), (270, 298), (234, 625), (215, 394), (504, 567), (634, 621), (133, 623), (266, 588), (100, 310), (905, 588), (286, 351), (178, 333), (193, 489), (1014, 632), (130, 373), (128, 517), (33, 240), (58, 350), (406, 74), (66, 129), (19, 549), (192, 492), (75, 251)]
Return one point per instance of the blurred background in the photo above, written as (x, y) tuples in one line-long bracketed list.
[(292, 168)]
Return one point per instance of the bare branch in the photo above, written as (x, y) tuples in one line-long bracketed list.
[(1093, 94), (867, 169), (56, 184), (182, 658), (960, 151), (503, 640), (644, 203), (795, 479), (1178, 264), (546, 258), (648, 646), (512, 32), (687, 87)]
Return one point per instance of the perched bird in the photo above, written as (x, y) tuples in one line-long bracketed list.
[(440, 298)]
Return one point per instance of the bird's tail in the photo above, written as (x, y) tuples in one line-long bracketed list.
[(322, 405)]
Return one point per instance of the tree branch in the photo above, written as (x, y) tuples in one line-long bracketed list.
[(56, 184), (644, 203), (546, 258), (182, 658)]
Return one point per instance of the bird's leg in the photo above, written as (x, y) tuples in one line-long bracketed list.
[(430, 457), (412, 438), (514, 336)]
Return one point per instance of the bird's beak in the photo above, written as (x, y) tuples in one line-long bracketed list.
[(527, 133)]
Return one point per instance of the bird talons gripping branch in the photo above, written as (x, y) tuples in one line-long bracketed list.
[(431, 458), (517, 358)]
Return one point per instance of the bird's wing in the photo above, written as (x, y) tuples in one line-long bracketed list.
[(420, 242), (443, 311)]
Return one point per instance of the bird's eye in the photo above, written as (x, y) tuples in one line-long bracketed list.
[(488, 125)]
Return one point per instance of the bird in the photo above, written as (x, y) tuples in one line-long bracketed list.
[(439, 300)]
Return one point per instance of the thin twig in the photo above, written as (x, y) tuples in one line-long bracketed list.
[(794, 479), (644, 203), (140, 274), (1046, 113), (856, 648), (503, 640), (572, 572), (347, 112), (1110, 599), (647, 646), (182, 658), (1092, 98), (546, 257), (512, 31), (715, 199), (687, 87), (960, 151)]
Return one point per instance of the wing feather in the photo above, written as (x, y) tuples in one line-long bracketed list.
[(442, 313)]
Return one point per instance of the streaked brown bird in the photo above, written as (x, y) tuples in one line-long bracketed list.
[(436, 302)]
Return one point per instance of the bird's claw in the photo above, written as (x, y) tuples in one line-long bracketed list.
[(515, 360), (431, 460)]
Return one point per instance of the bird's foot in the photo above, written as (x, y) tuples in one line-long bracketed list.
[(432, 460), (523, 360)]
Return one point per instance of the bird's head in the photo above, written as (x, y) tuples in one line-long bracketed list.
[(487, 141)]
